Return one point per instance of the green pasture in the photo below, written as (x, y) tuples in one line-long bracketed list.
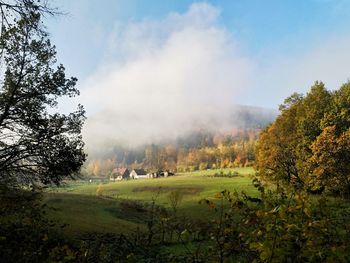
[(95, 207)]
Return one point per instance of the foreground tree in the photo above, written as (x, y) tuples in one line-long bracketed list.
[(308, 145), (276, 155), (36, 145)]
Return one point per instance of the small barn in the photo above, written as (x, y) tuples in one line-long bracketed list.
[(120, 173), (138, 174)]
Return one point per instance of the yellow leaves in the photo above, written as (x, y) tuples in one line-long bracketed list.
[(298, 207), (256, 245), (283, 214), (45, 238), (218, 195), (307, 211), (99, 190), (291, 226), (164, 219), (275, 210), (259, 233), (264, 255), (260, 213)]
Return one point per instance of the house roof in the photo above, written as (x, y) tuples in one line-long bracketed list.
[(140, 171), (120, 170)]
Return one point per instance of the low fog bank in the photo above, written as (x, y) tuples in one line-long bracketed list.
[(131, 132), (251, 117)]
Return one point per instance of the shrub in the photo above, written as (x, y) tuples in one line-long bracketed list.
[(99, 190)]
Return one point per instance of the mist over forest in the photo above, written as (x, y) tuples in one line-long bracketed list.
[(130, 134)]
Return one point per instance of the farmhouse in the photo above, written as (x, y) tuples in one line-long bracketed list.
[(120, 174), (138, 174)]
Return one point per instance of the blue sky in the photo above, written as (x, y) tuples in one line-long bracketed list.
[(260, 26), (170, 63)]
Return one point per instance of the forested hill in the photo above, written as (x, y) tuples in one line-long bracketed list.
[(204, 147)]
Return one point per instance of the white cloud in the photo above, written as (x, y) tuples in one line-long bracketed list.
[(163, 77)]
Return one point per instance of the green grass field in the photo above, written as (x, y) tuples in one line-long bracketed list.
[(86, 209)]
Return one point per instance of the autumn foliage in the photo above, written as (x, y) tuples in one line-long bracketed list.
[(308, 146)]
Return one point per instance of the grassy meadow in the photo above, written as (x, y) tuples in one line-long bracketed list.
[(118, 207)]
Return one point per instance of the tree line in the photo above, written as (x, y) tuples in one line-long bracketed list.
[(210, 152)]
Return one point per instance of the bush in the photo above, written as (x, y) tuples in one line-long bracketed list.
[(230, 174), (203, 166), (278, 226), (99, 190)]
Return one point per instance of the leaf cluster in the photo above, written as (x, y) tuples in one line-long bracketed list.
[(307, 147)]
